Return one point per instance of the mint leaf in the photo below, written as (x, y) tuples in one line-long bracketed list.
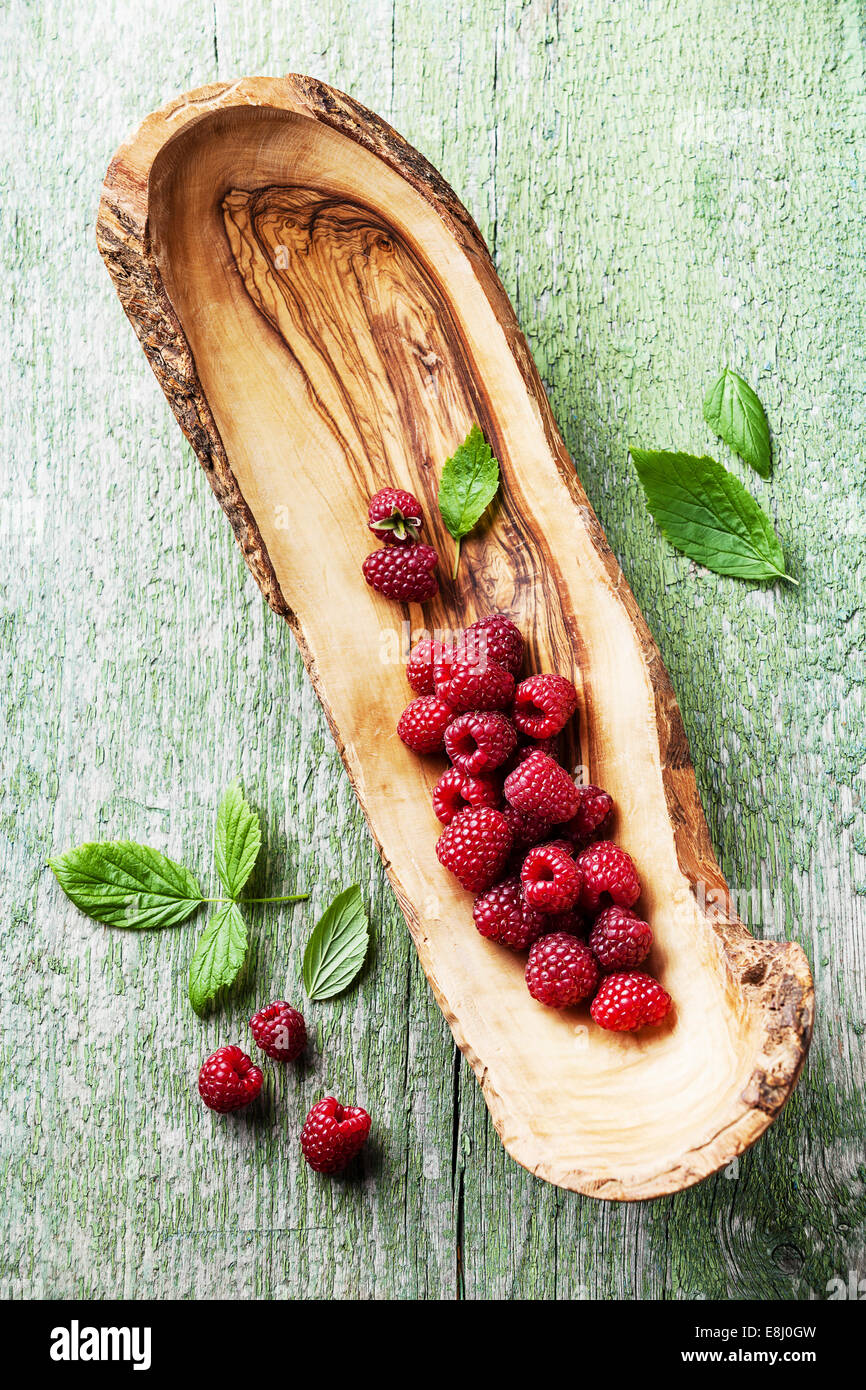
[(127, 885), (469, 483), (337, 947), (734, 413), (707, 514), (237, 840), (218, 957)]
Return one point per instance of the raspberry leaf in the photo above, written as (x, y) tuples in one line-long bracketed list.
[(237, 840), (734, 413), (337, 947), (707, 514), (469, 483), (127, 885), (218, 957)]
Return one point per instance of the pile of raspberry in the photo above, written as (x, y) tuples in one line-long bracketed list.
[(521, 834)]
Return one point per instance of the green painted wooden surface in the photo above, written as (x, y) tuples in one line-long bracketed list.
[(666, 187)]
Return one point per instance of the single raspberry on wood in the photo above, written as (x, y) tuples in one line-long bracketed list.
[(279, 1031), (456, 791), (543, 705), (423, 723), (629, 1001), (593, 814), (475, 847), (404, 572), (468, 687), (394, 516), (561, 970), (496, 639), (540, 786), (480, 741), (502, 914), (550, 878), (229, 1080), (608, 875), (619, 940), (333, 1134)]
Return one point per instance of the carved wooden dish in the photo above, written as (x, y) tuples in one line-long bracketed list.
[(325, 319)]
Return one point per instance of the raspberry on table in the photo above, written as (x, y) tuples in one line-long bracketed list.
[(404, 572), (543, 705), (280, 1031), (526, 828), (456, 791), (619, 940), (629, 1001), (561, 970), (333, 1134), (475, 847), (550, 878), (496, 639), (228, 1080), (395, 516), (480, 741), (593, 814), (423, 723), (540, 786), (609, 876), (420, 665), (469, 687), (502, 914)]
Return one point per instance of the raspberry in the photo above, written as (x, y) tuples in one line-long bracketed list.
[(496, 639), (550, 878), (526, 829), (542, 745), (628, 1001), (456, 791), (395, 516), (404, 572), (468, 687), (419, 667), (475, 847), (593, 814), (569, 921), (619, 940), (541, 786), (423, 723), (480, 741), (560, 971), (228, 1080), (502, 914), (333, 1134), (607, 873), (280, 1031), (543, 705)]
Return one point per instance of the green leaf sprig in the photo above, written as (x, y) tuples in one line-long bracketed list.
[(469, 483), (707, 514), (337, 947), (734, 413), (124, 884)]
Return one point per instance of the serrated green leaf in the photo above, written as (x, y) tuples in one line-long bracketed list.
[(237, 840), (707, 514), (218, 957), (469, 483), (337, 947), (127, 885), (734, 413)]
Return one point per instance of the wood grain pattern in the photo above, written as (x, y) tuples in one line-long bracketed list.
[(681, 221), (398, 336)]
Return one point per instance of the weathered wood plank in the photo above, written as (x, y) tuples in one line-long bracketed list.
[(661, 197)]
